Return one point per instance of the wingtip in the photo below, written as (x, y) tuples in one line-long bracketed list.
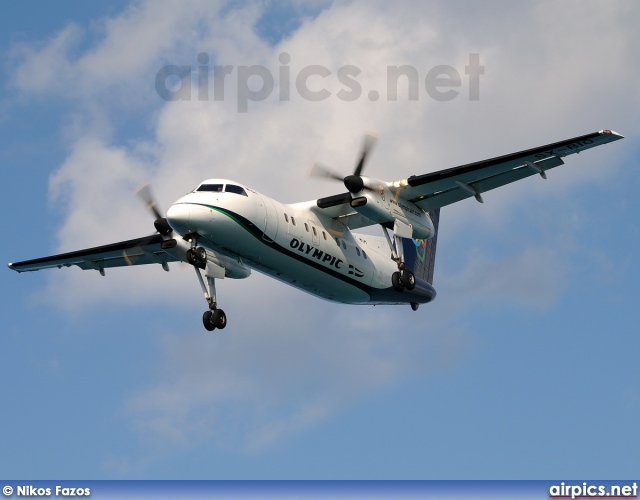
[(611, 132)]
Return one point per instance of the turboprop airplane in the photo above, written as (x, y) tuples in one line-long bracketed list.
[(225, 229)]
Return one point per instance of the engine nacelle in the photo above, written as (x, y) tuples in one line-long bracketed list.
[(381, 207)]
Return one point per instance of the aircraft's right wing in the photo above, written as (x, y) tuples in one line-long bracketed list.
[(437, 189), (148, 250)]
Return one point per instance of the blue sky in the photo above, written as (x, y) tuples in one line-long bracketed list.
[(524, 367)]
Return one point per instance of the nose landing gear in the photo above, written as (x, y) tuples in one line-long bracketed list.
[(214, 317), (197, 256)]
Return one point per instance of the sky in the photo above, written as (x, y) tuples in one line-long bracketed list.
[(524, 367)]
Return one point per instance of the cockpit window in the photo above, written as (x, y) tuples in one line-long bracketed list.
[(210, 187), (235, 189), (219, 188)]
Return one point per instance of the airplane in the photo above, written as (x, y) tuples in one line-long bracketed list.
[(226, 229)]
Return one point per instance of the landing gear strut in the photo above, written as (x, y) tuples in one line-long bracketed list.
[(214, 317), (402, 279)]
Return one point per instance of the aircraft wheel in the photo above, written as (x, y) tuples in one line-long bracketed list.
[(207, 321), (414, 306), (219, 319), (408, 279), (396, 281), (201, 255), (191, 258)]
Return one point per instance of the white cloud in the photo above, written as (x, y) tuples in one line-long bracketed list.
[(46, 68), (549, 74)]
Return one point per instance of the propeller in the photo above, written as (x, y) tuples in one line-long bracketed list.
[(160, 222), (354, 182), (369, 141)]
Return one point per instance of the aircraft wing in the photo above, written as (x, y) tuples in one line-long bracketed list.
[(437, 189), (147, 250)]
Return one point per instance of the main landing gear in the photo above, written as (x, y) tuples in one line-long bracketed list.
[(402, 279), (214, 319), (197, 257)]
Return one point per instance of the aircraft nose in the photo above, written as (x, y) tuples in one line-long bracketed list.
[(178, 217)]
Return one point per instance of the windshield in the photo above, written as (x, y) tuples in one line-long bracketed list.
[(210, 187), (219, 188), (230, 188)]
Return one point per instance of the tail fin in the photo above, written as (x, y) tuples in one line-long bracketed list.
[(420, 255)]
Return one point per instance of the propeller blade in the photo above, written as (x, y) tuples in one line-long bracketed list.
[(354, 183), (145, 194), (369, 141), (322, 172), (127, 259), (160, 222)]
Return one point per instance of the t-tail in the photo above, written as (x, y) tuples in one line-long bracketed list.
[(420, 255)]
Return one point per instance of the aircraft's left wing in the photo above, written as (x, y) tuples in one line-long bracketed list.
[(148, 250), (437, 189)]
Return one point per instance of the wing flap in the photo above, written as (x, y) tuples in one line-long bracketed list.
[(139, 251), (355, 220)]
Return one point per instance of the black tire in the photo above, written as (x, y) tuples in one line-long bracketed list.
[(219, 319), (396, 281), (408, 279), (207, 321), (201, 255), (191, 258)]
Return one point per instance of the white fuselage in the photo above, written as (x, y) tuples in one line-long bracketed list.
[(291, 243)]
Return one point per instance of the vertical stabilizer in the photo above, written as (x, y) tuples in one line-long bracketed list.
[(420, 255)]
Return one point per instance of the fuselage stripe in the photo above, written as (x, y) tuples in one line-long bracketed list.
[(253, 229)]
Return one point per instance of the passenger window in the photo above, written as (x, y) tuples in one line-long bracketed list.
[(315, 233), (344, 245), (358, 251), (293, 220), (364, 254), (324, 235), (230, 188), (286, 217), (337, 242), (306, 227)]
